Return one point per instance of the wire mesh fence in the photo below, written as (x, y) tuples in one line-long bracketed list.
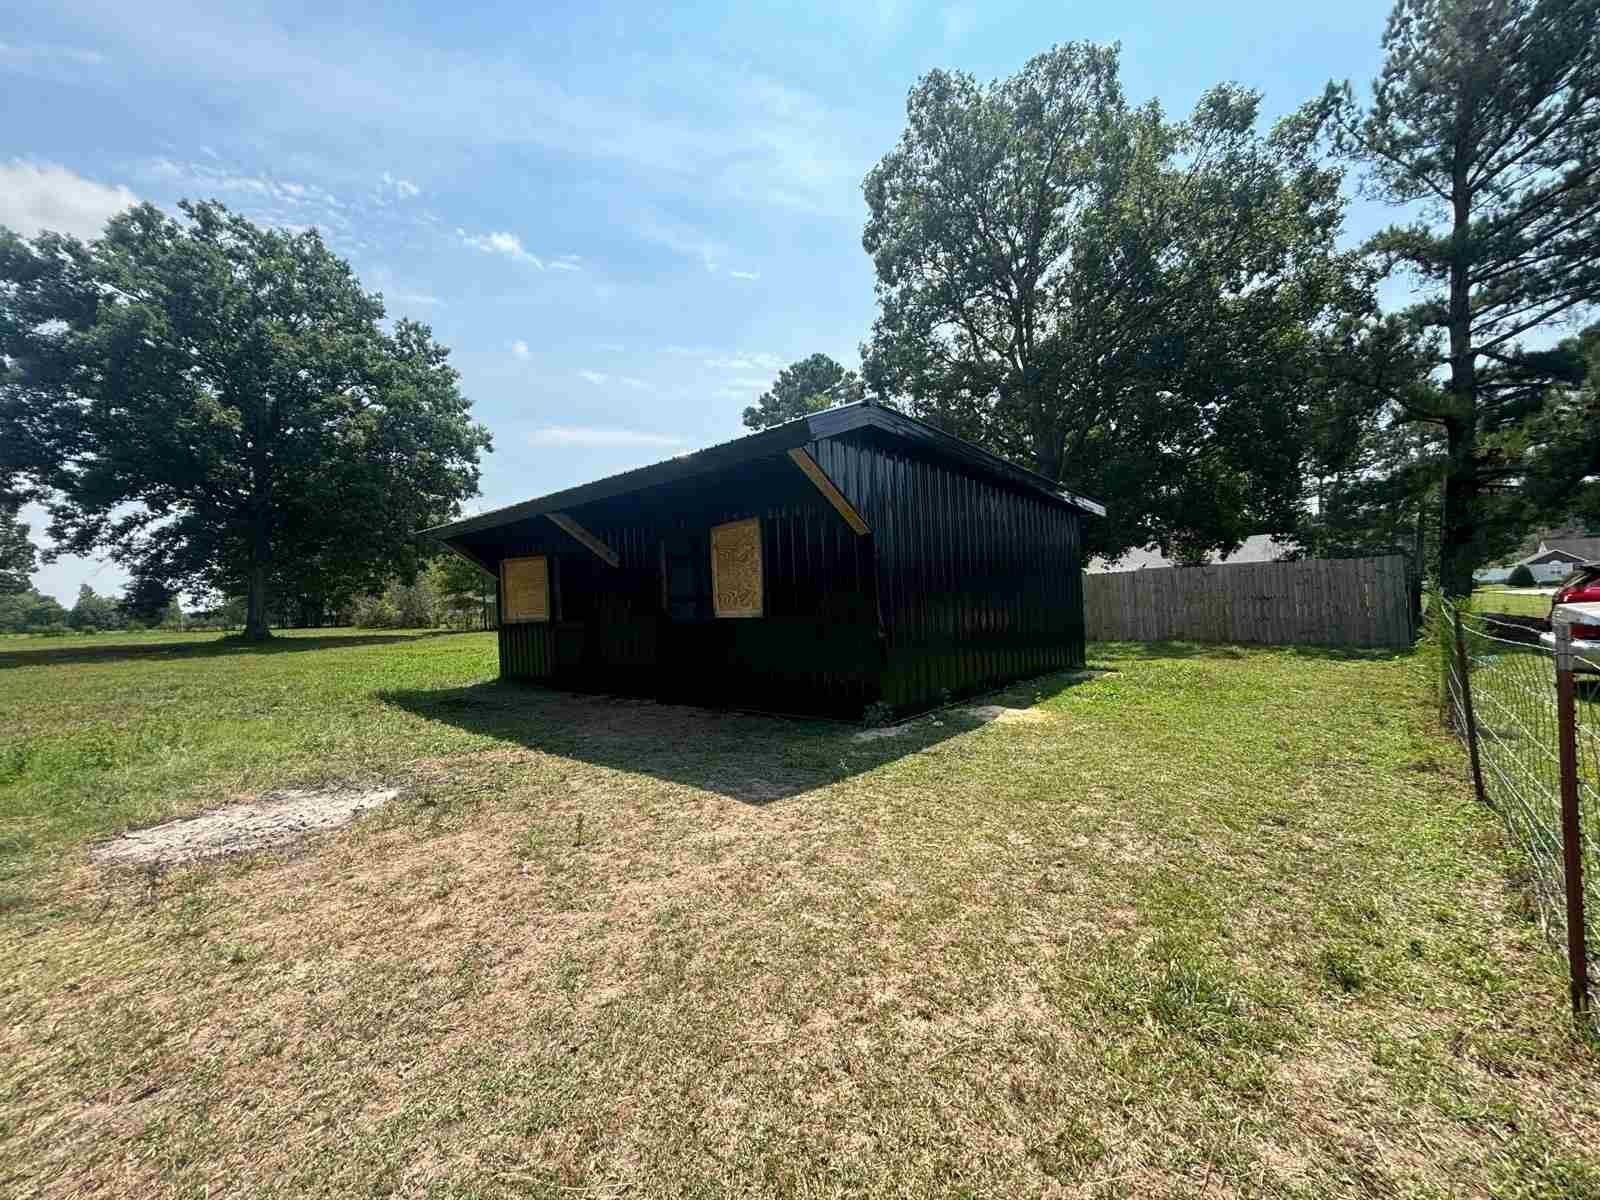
[(1501, 696)]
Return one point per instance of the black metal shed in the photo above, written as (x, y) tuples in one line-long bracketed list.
[(849, 558)]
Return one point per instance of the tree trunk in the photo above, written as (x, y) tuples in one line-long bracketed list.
[(1458, 515), (1048, 449), (255, 622), (258, 599)]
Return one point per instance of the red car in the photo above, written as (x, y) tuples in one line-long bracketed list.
[(1580, 587)]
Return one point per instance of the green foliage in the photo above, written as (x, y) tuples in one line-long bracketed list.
[(1564, 443), (1485, 121), (376, 612), (30, 612), (18, 559), (146, 599), (417, 604), (466, 592), (1521, 576), (218, 407), (1116, 300), (424, 603), (93, 612), (806, 386)]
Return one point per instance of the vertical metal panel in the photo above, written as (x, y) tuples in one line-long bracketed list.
[(816, 649), (961, 585), (979, 584), (525, 651)]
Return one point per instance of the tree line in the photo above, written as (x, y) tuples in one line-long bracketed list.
[(1160, 312), (447, 592)]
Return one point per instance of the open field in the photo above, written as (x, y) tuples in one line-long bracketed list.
[(1218, 922)]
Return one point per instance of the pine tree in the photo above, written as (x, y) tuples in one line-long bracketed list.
[(1485, 119)]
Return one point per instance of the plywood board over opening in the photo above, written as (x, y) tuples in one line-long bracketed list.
[(736, 568), (525, 589)]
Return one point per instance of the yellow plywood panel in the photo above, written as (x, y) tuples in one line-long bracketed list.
[(525, 589), (736, 568)]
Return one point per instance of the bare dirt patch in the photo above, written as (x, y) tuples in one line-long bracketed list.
[(968, 714), (1000, 712), (276, 819)]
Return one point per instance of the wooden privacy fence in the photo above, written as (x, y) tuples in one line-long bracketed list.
[(1321, 602)]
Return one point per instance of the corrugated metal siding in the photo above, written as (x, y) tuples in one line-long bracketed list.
[(816, 649), (977, 584), (525, 651)]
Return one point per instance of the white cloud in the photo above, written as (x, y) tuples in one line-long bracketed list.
[(403, 188), (577, 435), (660, 230), (10, 53), (603, 379), (714, 127), (745, 274), (566, 262), (744, 362), (508, 245), (39, 196), (283, 203), (519, 349)]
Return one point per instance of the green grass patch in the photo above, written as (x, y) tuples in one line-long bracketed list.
[(1216, 919), (1517, 602)]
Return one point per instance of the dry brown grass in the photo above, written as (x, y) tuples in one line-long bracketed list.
[(1195, 928)]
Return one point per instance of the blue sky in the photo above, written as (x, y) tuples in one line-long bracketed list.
[(623, 220)]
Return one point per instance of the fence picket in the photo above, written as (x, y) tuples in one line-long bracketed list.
[(1329, 602)]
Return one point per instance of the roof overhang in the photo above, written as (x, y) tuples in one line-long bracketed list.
[(778, 440)]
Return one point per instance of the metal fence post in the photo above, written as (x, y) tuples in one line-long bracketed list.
[(1571, 847), (1462, 664)]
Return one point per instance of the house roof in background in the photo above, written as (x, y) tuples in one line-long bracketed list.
[(780, 438), (1260, 547), (1577, 549)]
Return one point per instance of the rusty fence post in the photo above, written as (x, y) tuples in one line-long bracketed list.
[(1571, 847), (1463, 665)]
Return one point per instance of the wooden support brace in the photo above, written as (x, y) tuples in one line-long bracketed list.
[(830, 493), (602, 551)]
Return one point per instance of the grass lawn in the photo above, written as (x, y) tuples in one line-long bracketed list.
[(1219, 921), (1518, 602)]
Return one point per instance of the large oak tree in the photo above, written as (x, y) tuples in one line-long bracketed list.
[(1122, 302), (219, 406)]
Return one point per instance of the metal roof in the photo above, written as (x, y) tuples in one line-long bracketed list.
[(780, 438)]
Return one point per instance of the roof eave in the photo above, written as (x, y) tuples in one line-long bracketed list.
[(777, 440)]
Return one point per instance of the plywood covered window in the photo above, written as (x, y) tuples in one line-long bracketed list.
[(525, 589), (736, 568)]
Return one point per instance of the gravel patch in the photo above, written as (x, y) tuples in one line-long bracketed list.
[(276, 819)]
